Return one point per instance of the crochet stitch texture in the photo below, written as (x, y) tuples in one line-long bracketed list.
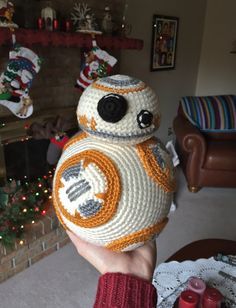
[(114, 182)]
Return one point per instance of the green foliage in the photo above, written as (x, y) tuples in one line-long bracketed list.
[(20, 204)]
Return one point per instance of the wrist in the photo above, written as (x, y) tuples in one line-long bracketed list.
[(125, 290)]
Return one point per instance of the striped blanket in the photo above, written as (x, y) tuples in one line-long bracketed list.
[(211, 113)]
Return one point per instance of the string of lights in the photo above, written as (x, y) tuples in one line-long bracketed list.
[(22, 203)]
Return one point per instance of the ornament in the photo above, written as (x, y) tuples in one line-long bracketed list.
[(98, 64), (114, 183), (84, 19), (6, 14), (17, 79)]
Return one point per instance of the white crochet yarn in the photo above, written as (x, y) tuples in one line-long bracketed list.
[(114, 194), (126, 130)]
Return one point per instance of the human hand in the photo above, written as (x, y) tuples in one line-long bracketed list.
[(139, 262)]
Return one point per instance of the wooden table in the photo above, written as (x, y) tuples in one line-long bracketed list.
[(204, 249)]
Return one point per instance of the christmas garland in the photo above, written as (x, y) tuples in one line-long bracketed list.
[(21, 203)]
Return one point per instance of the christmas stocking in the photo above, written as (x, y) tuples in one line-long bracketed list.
[(98, 63), (17, 79)]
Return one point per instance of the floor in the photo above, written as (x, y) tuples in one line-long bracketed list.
[(64, 279)]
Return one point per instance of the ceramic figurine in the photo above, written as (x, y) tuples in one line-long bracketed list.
[(84, 19), (48, 14), (6, 14), (107, 24)]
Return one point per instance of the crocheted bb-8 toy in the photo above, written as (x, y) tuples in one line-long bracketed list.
[(114, 182)]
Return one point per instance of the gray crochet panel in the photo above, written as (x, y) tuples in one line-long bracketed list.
[(77, 189), (156, 152), (72, 172), (90, 208), (128, 82)]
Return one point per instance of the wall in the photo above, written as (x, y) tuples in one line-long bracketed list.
[(53, 86), (169, 85), (217, 67)]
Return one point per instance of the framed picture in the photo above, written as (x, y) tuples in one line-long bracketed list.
[(164, 41)]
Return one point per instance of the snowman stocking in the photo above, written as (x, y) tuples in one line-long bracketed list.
[(17, 79), (98, 64)]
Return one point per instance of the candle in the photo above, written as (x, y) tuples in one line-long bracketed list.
[(55, 24), (196, 285), (40, 23), (67, 25), (212, 298), (188, 299)]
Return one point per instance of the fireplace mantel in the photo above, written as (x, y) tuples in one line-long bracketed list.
[(16, 130), (29, 37)]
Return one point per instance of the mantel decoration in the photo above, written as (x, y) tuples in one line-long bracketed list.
[(97, 184), (107, 23), (6, 14), (164, 41), (48, 15), (84, 19)]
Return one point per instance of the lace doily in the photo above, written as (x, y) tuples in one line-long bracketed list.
[(170, 279)]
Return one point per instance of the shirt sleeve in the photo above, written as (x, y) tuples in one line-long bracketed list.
[(124, 291)]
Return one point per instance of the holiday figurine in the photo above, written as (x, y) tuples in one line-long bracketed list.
[(6, 14), (98, 63), (114, 182), (107, 24), (17, 79), (48, 15), (84, 19)]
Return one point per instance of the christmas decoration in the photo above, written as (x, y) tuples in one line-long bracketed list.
[(114, 183), (6, 14), (98, 63), (55, 131), (48, 15), (107, 24), (84, 19), (21, 204), (17, 79)]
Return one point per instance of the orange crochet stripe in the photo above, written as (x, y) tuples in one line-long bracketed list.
[(74, 139), (118, 91), (58, 214), (83, 120), (110, 198), (93, 124), (137, 237), (161, 177)]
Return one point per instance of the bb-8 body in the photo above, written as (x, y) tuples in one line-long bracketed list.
[(114, 183)]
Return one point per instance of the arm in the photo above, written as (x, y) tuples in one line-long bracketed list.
[(123, 290), (126, 276)]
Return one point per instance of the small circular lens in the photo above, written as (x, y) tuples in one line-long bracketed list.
[(144, 119)]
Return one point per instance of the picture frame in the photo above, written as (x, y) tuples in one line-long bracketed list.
[(164, 42)]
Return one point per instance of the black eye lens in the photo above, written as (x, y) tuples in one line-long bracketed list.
[(112, 107), (144, 119)]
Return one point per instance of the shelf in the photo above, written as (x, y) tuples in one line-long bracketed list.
[(28, 37)]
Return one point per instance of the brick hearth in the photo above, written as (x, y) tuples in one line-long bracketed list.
[(41, 239)]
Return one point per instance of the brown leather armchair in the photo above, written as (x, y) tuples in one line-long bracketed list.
[(207, 159)]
